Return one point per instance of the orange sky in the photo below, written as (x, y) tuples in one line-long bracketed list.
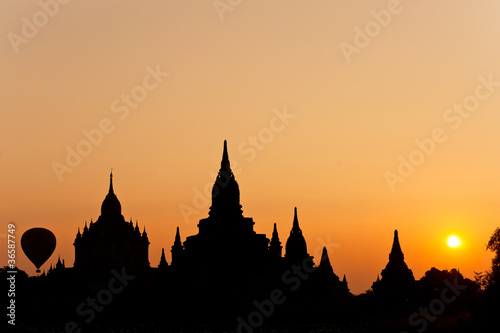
[(159, 86)]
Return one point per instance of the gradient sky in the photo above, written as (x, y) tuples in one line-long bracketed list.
[(351, 119)]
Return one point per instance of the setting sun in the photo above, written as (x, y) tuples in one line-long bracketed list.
[(453, 241)]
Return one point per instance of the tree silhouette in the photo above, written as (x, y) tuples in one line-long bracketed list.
[(490, 280), (493, 277)]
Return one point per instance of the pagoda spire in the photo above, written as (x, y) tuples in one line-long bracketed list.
[(225, 192), (275, 247), (326, 267), (396, 252), (163, 262), (296, 248), (224, 164), (324, 257), (177, 250), (295, 226), (111, 204), (111, 182), (346, 285), (275, 232), (397, 280), (177, 237)]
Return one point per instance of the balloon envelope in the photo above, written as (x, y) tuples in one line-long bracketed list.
[(38, 244)]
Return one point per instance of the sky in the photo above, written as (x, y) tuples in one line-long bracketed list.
[(367, 116)]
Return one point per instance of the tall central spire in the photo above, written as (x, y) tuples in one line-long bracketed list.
[(224, 164), (225, 192), (111, 182), (295, 226)]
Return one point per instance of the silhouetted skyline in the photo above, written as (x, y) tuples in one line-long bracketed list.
[(228, 277), (359, 165), (307, 128)]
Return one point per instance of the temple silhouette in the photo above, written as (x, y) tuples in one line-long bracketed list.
[(225, 274), (224, 267), (225, 233), (397, 279), (111, 242)]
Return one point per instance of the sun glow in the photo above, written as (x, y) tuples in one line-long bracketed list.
[(453, 241)]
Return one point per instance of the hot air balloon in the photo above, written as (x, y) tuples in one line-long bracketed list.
[(38, 244)]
